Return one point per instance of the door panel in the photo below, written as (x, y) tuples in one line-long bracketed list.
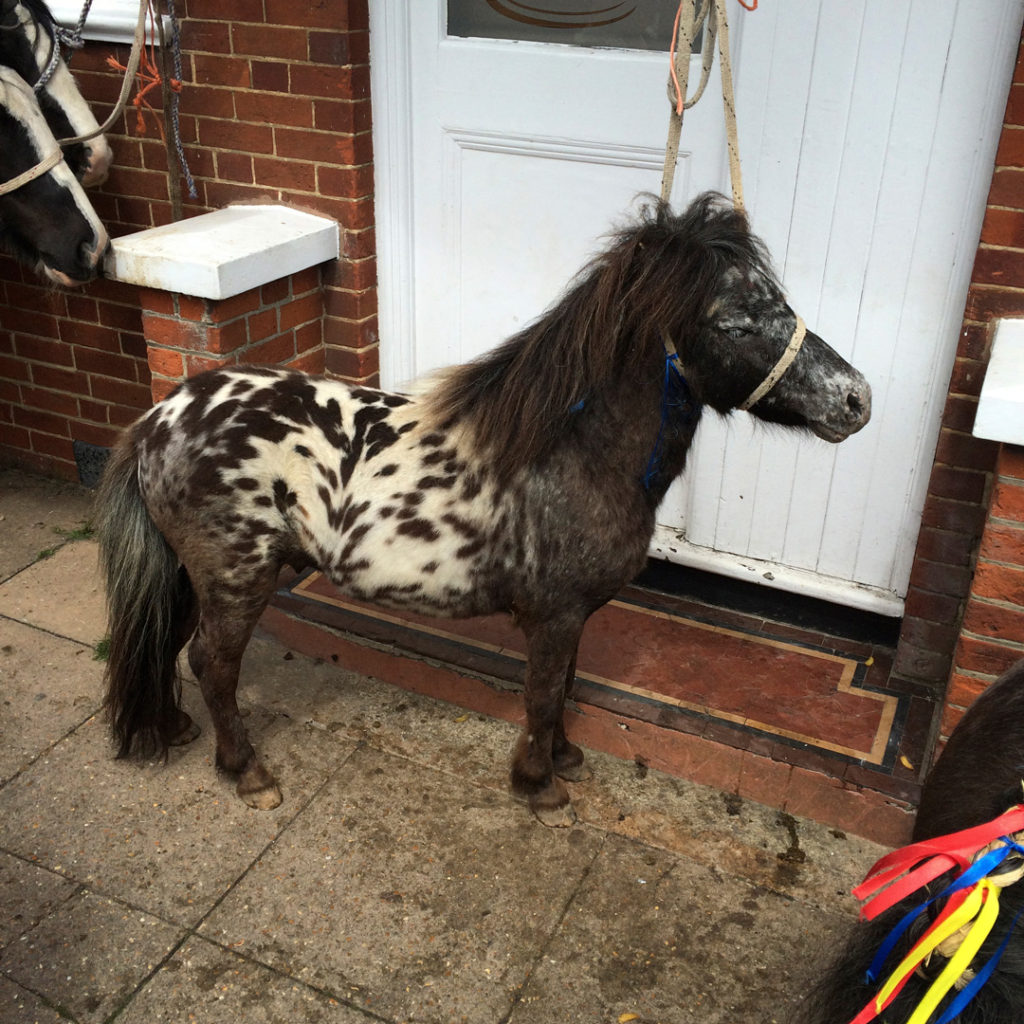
[(867, 134)]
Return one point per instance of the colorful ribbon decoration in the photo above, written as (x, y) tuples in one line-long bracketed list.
[(965, 921)]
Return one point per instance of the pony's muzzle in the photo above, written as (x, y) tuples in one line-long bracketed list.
[(94, 251), (98, 160), (858, 405), (851, 411), (89, 263)]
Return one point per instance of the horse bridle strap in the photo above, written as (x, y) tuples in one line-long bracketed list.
[(785, 360), (45, 165)]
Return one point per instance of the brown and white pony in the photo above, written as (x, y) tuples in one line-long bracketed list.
[(524, 482)]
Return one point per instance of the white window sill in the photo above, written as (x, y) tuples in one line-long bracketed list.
[(220, 254), (1000, 414), (110, 20)]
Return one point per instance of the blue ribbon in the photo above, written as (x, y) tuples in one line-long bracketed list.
[(970, 990), (970, 876)]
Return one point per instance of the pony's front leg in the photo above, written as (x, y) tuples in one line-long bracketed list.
[(567, 757), (551, 652)]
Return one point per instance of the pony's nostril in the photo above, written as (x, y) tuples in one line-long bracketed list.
[(854, 403)]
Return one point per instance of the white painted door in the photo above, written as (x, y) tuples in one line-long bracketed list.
[(867, 133)]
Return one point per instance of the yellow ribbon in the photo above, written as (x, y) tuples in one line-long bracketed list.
[(981, 906), (961, 959)]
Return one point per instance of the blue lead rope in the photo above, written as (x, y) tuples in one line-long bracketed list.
[(675, 395)]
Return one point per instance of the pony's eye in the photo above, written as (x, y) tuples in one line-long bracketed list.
[(738, 331)]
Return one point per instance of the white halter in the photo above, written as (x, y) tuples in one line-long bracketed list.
[(787, 357)]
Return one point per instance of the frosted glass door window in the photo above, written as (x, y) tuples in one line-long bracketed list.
[(626, 24)]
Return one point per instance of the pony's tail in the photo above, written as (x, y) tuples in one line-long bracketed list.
[(147, 598)]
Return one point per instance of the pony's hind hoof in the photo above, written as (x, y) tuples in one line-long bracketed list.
[(258, 789), (185, 731)]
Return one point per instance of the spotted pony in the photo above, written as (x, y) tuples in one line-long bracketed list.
[(524, 482)]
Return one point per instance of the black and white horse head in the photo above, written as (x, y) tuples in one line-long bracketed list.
[(46, 220), (29, 45)]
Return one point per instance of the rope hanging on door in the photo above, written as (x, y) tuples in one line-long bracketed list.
[(690, 18)]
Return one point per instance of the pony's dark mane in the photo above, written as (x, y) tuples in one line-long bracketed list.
[(660, 273)]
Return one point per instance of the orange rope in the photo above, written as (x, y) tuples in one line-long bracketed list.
[(148, 78), (680, 98)]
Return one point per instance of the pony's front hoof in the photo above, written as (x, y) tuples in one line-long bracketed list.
[(551, 805), (555, 817), (258, 789)]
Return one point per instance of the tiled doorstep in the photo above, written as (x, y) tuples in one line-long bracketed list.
[(788, 693), (800, 781)]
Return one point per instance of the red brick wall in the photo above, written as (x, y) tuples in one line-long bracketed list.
[(992, 638), (945, 582), (275, 106), (278, 324)]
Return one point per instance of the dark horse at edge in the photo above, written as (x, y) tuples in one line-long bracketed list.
[(977, 777), (526, 482)]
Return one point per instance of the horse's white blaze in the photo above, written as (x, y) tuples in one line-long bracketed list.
[(62, 88), (62, 174)]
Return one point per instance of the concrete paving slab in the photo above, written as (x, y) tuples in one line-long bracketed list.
[(168, 837), (771, 848), (651, 934), (443, 736), (205, 982), (442, 901), (48, 686), (417, 896), (20, 1006), (90, 955), (789, 855), (32, 510), (61, 593), (28, 894)]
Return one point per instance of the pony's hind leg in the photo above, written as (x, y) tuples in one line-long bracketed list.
[(551, 651), (226, 621)]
